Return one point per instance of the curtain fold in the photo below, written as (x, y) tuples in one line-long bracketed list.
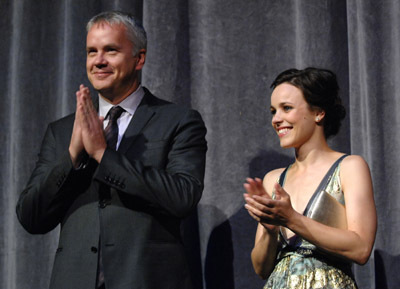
[(373, 77)]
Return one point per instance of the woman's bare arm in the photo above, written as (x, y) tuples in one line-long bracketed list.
[(356, 242)]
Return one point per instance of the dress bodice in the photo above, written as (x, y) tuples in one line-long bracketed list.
[(300, 264), (331, 185)]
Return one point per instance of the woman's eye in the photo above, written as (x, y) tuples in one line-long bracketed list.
[(273, 111), (287, 108)]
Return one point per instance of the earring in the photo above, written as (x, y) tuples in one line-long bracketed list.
[(317, 119)]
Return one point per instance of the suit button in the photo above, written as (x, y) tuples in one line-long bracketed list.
[(93, 249), (104, 203)]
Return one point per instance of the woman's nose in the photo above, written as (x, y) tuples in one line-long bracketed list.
[(276, 118)]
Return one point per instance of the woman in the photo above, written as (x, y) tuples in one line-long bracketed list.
[(312, 224)]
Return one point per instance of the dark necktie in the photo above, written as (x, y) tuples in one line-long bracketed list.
[(111, 131), (111, 134)]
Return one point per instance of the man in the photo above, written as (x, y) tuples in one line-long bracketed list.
[(117, 183)]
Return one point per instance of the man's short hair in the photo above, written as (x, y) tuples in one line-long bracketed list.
[(135, 30)]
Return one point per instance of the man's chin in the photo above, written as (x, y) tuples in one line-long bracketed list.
[(101, 88), (100, 83)]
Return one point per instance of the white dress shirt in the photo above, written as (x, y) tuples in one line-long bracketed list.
[(129, 104)]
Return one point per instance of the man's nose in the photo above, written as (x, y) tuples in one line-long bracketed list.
[(100, 60)]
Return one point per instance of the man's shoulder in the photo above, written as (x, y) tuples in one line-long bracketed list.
[(63, 122), (161, 104)]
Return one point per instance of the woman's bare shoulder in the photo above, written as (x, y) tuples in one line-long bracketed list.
[(352, 162), (274, 174), (354, 170), (272, 177)]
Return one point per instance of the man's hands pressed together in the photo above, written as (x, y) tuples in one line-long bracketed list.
[(88, 133)]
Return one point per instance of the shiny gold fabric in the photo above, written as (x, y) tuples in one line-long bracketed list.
[(296, 271), (301, 266)]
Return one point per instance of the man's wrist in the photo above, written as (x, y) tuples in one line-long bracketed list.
[(98, 155), (79, 161)]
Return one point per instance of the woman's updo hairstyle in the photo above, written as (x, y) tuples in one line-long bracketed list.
[(320, 90)]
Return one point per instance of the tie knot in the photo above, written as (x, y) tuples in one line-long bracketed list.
[(115, 112)]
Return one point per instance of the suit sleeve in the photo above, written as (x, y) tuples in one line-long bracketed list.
[(175, 189), (51, 189)]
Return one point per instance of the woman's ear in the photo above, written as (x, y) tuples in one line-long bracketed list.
[(319, 116)]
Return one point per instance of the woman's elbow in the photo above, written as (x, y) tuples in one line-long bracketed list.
[(362, 259), (262, 270), (262, 274), (362, 256)]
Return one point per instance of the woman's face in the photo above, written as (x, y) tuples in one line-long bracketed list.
[(292, 118)]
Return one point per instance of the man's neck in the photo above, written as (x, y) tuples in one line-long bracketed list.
[(114, 99)]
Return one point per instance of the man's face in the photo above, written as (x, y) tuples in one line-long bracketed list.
[(110, 64)]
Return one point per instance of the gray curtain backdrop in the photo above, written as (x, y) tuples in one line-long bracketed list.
[(219, 57)]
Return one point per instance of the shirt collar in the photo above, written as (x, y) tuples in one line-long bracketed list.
[(129, 104)]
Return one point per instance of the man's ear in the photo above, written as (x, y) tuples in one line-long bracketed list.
[(141, 59)]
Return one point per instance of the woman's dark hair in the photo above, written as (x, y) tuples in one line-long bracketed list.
[(320, 90)]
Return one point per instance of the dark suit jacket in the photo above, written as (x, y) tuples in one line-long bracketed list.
[(134, 199)]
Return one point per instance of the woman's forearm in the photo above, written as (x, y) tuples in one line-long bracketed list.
[(347, 244), (264, 252)]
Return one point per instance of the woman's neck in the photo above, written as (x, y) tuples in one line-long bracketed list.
[(310, 154)]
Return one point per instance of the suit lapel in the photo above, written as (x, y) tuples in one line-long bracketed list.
[(141, 117)]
